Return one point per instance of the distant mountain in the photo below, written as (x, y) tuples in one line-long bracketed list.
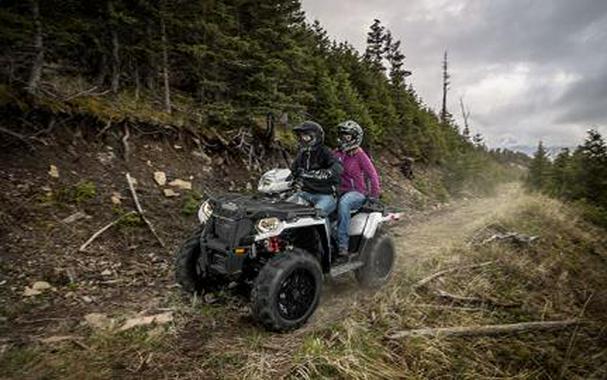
[(530, 149)]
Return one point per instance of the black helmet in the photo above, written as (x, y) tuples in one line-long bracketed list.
[(312, 129), (349, 127)]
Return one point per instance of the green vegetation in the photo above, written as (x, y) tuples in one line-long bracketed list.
[(580, 176), (561, 276), (191, 203), (217, 66)]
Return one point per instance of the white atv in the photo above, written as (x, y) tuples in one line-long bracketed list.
[(280, 251)]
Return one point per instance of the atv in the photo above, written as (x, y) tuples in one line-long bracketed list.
[(280, 251)]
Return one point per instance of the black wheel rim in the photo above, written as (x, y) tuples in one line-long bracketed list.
[(296, 294), (383, 262)]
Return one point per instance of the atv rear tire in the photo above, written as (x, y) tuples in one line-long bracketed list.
[(186, 264), (287, 290), (378, 256)]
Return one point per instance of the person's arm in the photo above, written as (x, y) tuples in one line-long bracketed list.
[(331, 171), (295, 166), (371, 174)]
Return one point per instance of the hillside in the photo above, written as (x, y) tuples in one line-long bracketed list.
[(72, 329)]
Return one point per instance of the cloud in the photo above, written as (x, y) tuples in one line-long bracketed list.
[(526, 69)]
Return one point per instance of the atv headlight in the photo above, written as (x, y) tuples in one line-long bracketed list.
[(268, 225), (205, 211)]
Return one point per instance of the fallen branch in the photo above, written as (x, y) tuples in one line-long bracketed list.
[(140, 210), (436, 275), (102, 230), (462, 299), (447, 307), (107, 126), (513, 237), (486, 330), (80, 93), (62, 338), (18, 136), (125, 142)]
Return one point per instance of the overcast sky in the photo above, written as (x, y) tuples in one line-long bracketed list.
[(527, 70)]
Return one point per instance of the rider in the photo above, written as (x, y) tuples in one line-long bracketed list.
[(315, 168), (357, 170)]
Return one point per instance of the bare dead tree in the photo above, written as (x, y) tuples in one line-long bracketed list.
[(151, 72), (36, 71), (165, 65), (465, 116), (115, 83), (444, 113)]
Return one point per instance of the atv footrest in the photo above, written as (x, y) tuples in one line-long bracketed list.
[(338, 270)]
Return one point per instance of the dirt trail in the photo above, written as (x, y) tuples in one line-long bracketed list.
[(423, 237), (426, 239)]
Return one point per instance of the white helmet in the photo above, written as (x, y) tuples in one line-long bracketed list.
[(349, 127)]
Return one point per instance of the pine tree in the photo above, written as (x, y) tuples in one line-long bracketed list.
[(376, 46), (396, 59), (593, 169), (539, 169)]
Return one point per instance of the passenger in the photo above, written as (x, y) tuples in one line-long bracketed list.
[(357, 170), (315, 168)]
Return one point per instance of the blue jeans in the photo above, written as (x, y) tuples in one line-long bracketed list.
[(325, 203), (352, 200)]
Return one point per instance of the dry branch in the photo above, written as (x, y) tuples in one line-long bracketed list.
[(140, 210), (102, 230), (21, 137), (447, 307), (462, 299), (486, 330), (513, 237), (436, 275), (125, 142)]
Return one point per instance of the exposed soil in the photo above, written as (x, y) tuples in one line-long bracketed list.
[(125, 272)]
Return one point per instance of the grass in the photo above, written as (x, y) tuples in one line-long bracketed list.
[(557, 278)]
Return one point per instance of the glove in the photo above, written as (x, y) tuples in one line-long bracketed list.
[(320, 174)]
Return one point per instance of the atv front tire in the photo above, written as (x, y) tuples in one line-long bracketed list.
[(187, 273), (287, 290), (378, 256)]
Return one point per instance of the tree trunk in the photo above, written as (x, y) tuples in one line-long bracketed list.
[(444, 112), (115, 50), (137, 82), (487, 330), (36, 72), (165, 66), (151, 71)]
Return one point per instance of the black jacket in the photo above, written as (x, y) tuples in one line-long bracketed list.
[(317, 170)]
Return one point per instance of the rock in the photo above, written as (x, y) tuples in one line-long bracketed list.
[(87, 299), (41, 285), (249, 186), (106, 272), (179, 183), (76, 216), (169, 193), (160, 178), (116, 198), (98, 321), (158, 319), (177, 147), (53, 171), (29, 292), (106, 158), (210, 298), (148, 163), (205, 157)]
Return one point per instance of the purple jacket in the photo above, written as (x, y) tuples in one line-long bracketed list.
[(358, 168)]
